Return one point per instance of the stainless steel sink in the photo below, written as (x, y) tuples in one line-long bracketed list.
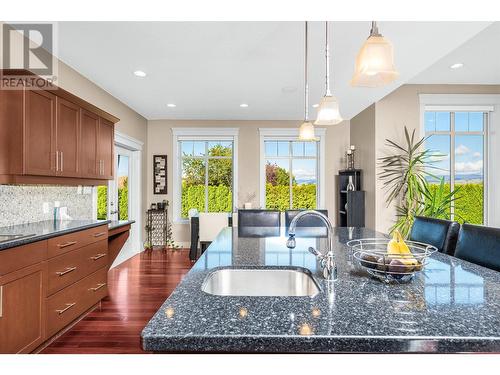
[(260, 282)]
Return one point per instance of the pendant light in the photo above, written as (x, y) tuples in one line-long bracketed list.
[(328, 110), (306, 130), (375, 61)]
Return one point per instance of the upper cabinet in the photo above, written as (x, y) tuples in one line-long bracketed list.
[(67, 139), (89, 127), (39, 133), (52, 136), (105, 142)]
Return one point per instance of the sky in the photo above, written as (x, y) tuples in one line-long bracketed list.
[(304, 170), (468, 151)]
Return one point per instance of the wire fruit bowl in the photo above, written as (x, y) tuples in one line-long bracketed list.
[(371, 255)]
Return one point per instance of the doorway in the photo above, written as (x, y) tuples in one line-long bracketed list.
[(121, 199)]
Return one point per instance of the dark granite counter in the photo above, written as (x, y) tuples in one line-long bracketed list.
[(113, 224), (43, 230), (453, 306)]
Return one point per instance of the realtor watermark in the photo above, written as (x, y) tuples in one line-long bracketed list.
[(28, 55)]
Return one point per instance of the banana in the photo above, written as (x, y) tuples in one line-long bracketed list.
[(406, 254), (393, 245), (397, 246)]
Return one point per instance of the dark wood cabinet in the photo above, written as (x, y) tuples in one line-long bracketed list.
[(105, 144), (89, 127), (46, 285), (51, 136), (39, 133), (22, 309), (67, 138)]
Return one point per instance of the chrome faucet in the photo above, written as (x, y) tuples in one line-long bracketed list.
[(326, 261)]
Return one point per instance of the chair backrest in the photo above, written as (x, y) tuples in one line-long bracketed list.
[(211, 223), (479, 245), (259, 223), (307, 221), (436, 232)]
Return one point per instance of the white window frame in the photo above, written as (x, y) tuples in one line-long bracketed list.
[(489, 103), (199, 134), (290, 134)]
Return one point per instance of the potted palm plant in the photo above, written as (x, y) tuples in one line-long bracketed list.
[(405, 175)]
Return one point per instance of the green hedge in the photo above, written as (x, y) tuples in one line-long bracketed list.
[(278, 197), (220, 199), (469, 205), (102, 202)]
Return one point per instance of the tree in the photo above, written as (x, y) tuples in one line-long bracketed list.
[(220, 171), (276, 175)]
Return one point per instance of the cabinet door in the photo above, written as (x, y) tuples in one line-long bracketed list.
[(89, 125), (67, 137), (106, 146), (39, 133), (22, 309)]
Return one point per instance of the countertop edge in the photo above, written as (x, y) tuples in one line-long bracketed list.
[(321, 344), (118, 224), (41, 237)]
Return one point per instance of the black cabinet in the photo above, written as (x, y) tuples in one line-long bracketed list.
[(351, 202)]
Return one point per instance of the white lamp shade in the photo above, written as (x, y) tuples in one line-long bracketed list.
[(306, 132), (375, 63), (328, 111)]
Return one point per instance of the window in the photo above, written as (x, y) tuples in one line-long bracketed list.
[(290, 171), (458, 139), (204, 170)]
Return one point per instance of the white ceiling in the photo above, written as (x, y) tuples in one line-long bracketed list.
[(480, 56), (209, 68)]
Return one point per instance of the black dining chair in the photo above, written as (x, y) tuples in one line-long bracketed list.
[(480, 245), (442, 234), (307, 221), (259, 223)]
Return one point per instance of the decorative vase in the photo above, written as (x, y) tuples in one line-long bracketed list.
[(350, 185)]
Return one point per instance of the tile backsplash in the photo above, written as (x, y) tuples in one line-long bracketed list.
[(25, 203)]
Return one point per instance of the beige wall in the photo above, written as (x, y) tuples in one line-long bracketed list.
[(160, 142), (392, 113), (362, 136)]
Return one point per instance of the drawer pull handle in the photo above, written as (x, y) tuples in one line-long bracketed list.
[(66, 244), (67, 270), (99, 286), (99, 234), (68, 306), (98, 256)]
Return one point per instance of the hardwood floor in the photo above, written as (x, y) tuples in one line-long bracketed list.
[(137, 288)]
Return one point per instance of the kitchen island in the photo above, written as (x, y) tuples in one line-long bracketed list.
[(452, 306)]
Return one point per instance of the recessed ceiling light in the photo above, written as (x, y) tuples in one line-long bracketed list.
[(140, 73), (243, 105), (171, 105), (456, 66), (315, 105)]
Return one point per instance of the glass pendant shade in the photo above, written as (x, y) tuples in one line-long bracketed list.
[(375, 63), (306, 132), (328, 111)]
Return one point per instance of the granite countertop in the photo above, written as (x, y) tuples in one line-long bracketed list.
[(453, 306), (43, 230), (113, 224)]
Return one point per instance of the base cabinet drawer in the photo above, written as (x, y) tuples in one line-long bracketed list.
[(68, 304), (22, 309), (70, 267), (68, 242)]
